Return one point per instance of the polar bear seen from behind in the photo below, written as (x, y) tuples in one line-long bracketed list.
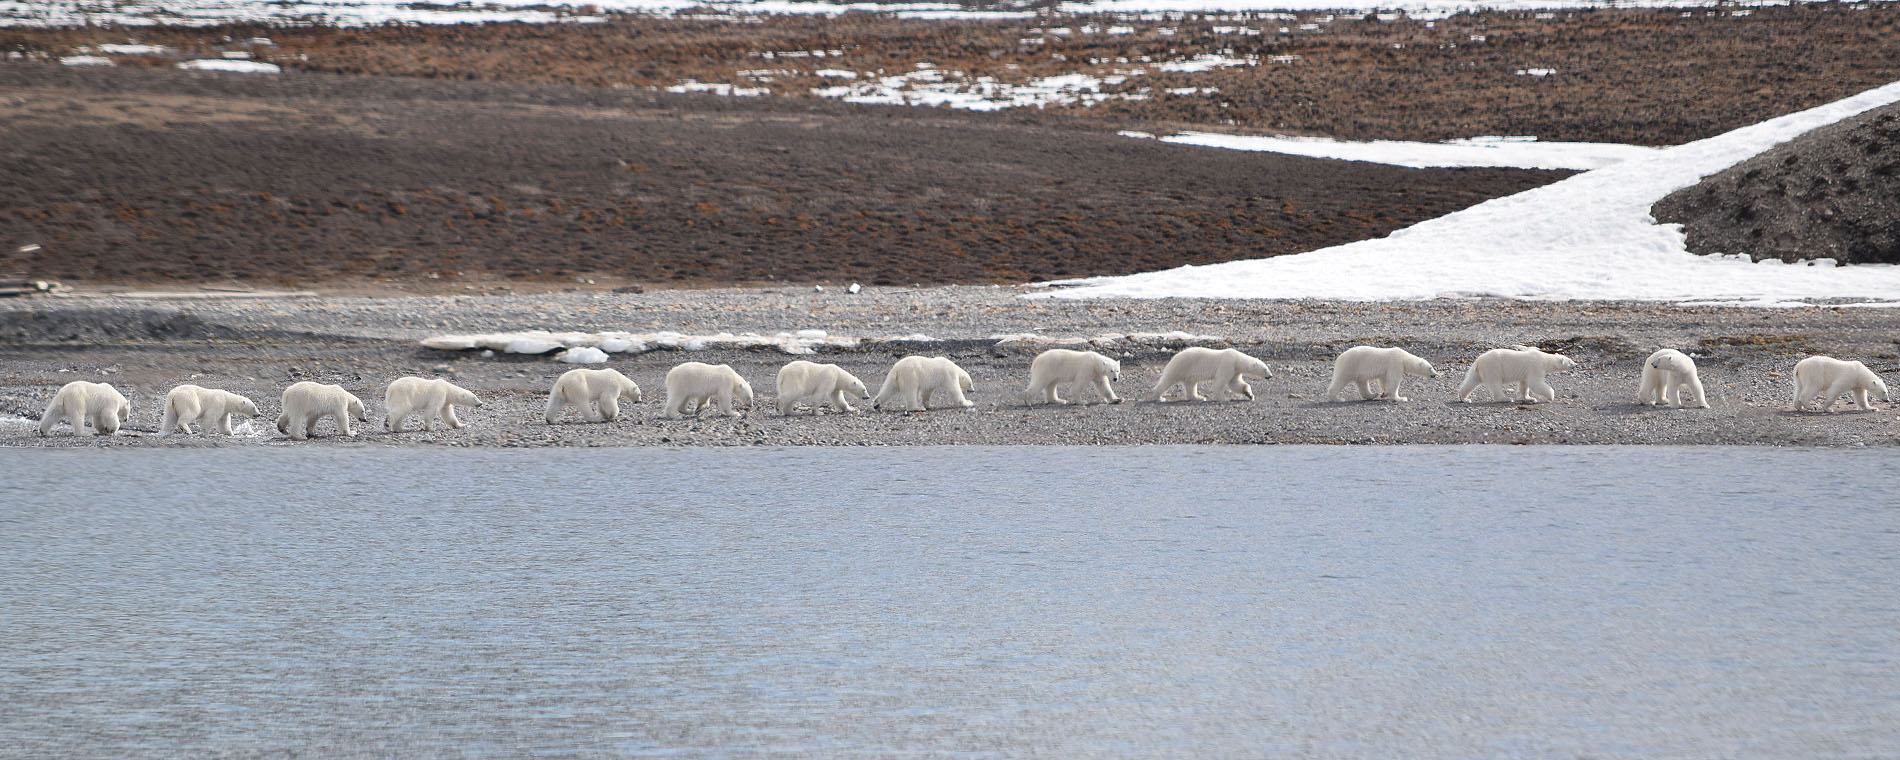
[(208, 408), (594, 393), (1076, 369), (1829, 378), (1228, 368), (307, 403), (914, 379), (433, 398), (691, 385), (1365, 365), (79, 402), (1665, 374), (1522, 366), (803, 382)]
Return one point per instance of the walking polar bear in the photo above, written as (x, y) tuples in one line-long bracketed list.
[(79, 401), (1523, 366), (1227, 367), (1828, 377), (208, 408), (1665, 374), (803, 382), (691, 385), (913, 379), (434, 399), (1365, 365), (307, 403), (1076, 369), (594, 393)]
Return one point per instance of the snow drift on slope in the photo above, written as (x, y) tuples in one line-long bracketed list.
[(1587, 237)]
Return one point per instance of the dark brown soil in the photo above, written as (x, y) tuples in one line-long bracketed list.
[(1646, 76), (150, 175), (1831, 193)]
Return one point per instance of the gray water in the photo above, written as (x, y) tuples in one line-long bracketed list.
[(953, 602)]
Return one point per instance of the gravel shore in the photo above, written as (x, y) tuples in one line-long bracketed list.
[(145, 343)]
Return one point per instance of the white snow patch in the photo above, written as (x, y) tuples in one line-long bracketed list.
[(582, 355), (235, 67), (1519, 152), (1207, 62), (719, 88), (85, 60), (1587, 237), (836, 73), (133, 49), (1535, 72), (1175, 338)]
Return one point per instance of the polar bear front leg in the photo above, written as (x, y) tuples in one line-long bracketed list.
[(1365, 388), (1390, 384), (448, 412), (1859, 396), (343, 424), (839, 402), (1107, 391), (1241, 387), (1540, 390), (609, 408), (955, 392), (1193, 389), (224, 423), (1697, 395)]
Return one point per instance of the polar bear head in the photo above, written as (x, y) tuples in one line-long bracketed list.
[(357, 410), (628, 390), (963, 379), (1114, 368), (241, 405), (1673, 362), (856, 387), (1872, 382), (1557, 362), (460, 396), (1251, 366), (741, 389), (1418, 367)]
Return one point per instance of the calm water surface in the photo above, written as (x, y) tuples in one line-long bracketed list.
[(1038, 601)]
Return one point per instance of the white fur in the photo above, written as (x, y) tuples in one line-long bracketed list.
[(79, 402), (307, 403), (1829, 378), (803, 382), (1365, 365), (1523, 366), (1665, 373), (1228, 368), (208, 408), (434, 399), (913, 379), (1076, 369), (691, 385), (594, 393)]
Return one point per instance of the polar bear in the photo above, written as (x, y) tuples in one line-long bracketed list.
[(600, 388), (79, 401), (913, 379), (434, 399), (1227, 367), (1076, 369), (691, 385), (307, 403), (1523, 366), (208, 408), (1665, 373), (1828, 377), (1365, 365), (803, 382)]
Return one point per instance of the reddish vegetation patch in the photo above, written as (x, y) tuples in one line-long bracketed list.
[(1643, 76), (164, 175)]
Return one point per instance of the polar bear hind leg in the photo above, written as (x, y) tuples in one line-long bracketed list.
[(1337, 388), (1470, 384)]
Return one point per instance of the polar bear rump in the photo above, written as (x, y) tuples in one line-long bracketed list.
[(1830, 378), (914, 379), (1665, 374), (813, 384), (1522, 366), (307, 403), (79, 402), (594, 393), (208, 408), (1227, 368), (1364, 365), (433, 398), (1075, 369), (693, 385)]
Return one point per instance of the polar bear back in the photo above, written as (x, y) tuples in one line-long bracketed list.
[(1064, 365), (306, 398), (804, 379), (1202, 363), (1519, 363), (1375, 362), (426, 393), (194, 402), (701, 378)]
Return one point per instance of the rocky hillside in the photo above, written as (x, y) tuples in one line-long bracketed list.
[(1832, 193)]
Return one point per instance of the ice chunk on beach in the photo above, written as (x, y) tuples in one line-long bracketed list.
[(531, 344), (85, 60), (583, 355)]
